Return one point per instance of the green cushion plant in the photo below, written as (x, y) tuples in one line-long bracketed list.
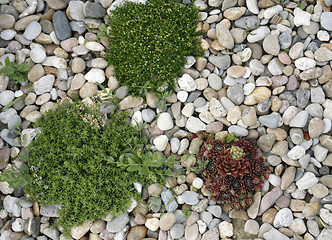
[(149, 43), (87, 163)]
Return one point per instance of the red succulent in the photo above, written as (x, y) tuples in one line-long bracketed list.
[(233, 171)]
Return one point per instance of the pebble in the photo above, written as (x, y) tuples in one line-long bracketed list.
[(325, 21), (224, 36), (160, 142), (283, 218), (37, 55), (177, 231), (6, 97), (32, 30), (61, 25), (187, 83), (225, 229), (169, 201), (152, 224), (95, 75), (306, 181), (299, 120), (165, 121), (251, 227), (191, 232), (167, 221)]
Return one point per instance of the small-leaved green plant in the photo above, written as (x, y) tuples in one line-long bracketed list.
[(87, 163), (150, 42)]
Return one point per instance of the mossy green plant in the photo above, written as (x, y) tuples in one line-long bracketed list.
[(149, 43), (87, 163)]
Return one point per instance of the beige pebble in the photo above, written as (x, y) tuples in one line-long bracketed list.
[(234, 13), (236, 71), (259, 94)]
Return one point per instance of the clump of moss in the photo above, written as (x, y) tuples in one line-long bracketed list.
[(87, 164), (149, 43)]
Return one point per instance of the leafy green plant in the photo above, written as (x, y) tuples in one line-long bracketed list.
[(150, 43), (16, 72), (87, 164), (186, 211), (302, 7), (16, 177)]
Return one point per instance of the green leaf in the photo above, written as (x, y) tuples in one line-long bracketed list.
[(7, 62), (21, 181), (24, 169), (134, 168), (168, 172), (144, 170), (24, 67), (102, 27), (7, 70), (27, 178), (230, 137)]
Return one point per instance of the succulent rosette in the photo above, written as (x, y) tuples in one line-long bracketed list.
[(233, 171)]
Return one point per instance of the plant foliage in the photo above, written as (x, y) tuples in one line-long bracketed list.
[(16, 72), (233, 170), (149, 43), (87, 164)]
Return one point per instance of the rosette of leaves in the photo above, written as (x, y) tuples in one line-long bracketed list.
[(87, 164), (149, 43), (233, 170)]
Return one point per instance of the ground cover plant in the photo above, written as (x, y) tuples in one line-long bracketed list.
[(233, 170), (87, 163), (149, 43)]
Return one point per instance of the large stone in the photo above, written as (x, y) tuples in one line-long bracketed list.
[(224, 36), (61, 25), (80, 231)]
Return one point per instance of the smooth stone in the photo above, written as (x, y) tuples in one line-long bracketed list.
[(118, 223), (258, 34), (326, 20), (177, 231), (269, 199), (190, 197), (224, 36), (251, 227), (225, 229), (32, 30), (160, 142), (61, 25), (37, 55), (88, 90), (299, 120), (271, 44), (272, 120), (165, 121), (283, 218), (220, 61), (93, 10), (169, 201), (259, 94), (80, 231), (95, 75), (75, 9), (6, 97), (305, 63), (301, 18), (215, 81), (306, 181), (167, 221), (187, 83)]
